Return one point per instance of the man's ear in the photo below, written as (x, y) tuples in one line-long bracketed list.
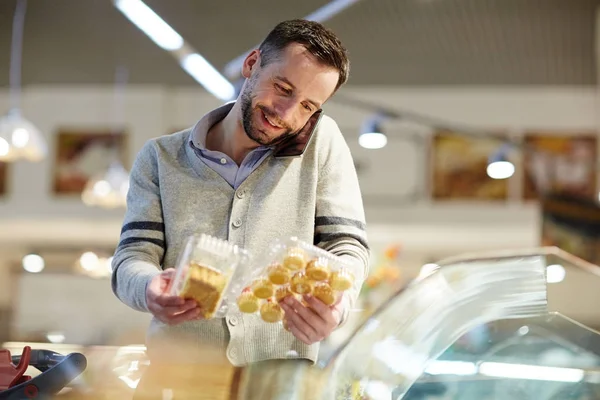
[(251, 62)]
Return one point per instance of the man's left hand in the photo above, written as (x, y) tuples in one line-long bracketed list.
[(314, 322)]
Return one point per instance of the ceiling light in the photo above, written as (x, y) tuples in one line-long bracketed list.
[(109, 189), (33, 263), (500, 170), (201, 70), (88, 261), (372, 136), (498, 165), (20, 139), (150, 23)]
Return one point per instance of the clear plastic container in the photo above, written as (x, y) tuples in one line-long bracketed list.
[(205, 271), (295, 268)]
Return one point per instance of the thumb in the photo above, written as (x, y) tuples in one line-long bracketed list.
[(168, 273), (165, 279)]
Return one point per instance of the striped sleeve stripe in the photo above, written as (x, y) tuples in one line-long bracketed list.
[(131, 240), (320, 221), (144, 225), (328, 237)]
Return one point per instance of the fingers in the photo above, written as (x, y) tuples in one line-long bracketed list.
[(194, 313), (170, 309), (188, 305), (298, 333), (177, 314), (167, 300), (303, 322), (323, 310)]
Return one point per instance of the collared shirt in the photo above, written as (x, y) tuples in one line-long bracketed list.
[(220, 162)]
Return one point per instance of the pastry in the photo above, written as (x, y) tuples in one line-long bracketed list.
[(295, 259), (278, 274), (247, 302), (323, 292), (263, 288), (205, 285), (317, 269), (341, 280), (301, 284), (271, 311), (282, 293)]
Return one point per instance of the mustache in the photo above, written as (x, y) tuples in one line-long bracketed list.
[(273, 117)]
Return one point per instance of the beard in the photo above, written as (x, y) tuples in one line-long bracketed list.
[(249, 115)]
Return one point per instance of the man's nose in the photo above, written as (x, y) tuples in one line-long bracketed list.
[(285, 110)]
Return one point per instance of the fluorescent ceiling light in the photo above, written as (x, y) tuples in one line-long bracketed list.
[(150, 23), (168, 39), (208, 76)]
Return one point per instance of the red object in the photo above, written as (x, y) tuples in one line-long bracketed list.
[(31, 391), (11, 375)]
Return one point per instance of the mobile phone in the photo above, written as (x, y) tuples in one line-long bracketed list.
[(296, 145)]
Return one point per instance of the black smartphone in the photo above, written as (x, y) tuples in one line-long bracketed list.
[(296, 145)]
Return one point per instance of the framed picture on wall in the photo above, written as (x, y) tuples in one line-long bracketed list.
[(3, 179), (82, 154), (564, 164), (572, 224), (459, 167)]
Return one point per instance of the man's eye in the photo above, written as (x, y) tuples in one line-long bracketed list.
[(306, 106), (282, 89)]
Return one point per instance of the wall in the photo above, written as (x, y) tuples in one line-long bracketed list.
[(32, 214)]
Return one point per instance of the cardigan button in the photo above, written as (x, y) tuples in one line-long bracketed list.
[(237, 223)]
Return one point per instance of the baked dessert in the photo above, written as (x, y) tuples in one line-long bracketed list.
[(263, 288), (282, 293), (205, 285), (278, 274), (271, 311), (295, 259), (318, 269), (247, 302), (341, 280), (323, 292), (300, 283)]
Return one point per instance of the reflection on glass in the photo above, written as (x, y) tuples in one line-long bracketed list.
[(395, 346), (477, 328)]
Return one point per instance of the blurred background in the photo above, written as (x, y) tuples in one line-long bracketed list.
[(473, 125)]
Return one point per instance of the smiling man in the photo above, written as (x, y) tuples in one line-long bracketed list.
[(248, 172)]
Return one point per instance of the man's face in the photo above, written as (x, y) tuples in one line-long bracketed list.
[(278, 99)]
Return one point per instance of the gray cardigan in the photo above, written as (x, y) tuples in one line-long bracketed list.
[(173, 194)]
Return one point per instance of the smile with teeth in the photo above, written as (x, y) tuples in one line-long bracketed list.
[(270, 122)]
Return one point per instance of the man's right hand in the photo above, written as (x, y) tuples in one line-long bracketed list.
[(167, 308)]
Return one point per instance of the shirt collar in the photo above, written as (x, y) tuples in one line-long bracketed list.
[(200, 130)]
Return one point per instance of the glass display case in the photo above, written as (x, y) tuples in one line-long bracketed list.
[(479, 327), (482, 326)]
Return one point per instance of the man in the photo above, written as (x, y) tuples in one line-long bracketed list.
[(223, 177)]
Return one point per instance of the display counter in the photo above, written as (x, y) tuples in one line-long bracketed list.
[(479, 327)]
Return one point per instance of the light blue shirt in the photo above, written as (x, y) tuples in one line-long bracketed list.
[(221, 163)]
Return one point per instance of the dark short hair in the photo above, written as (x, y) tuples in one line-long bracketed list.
[(318, 40)]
